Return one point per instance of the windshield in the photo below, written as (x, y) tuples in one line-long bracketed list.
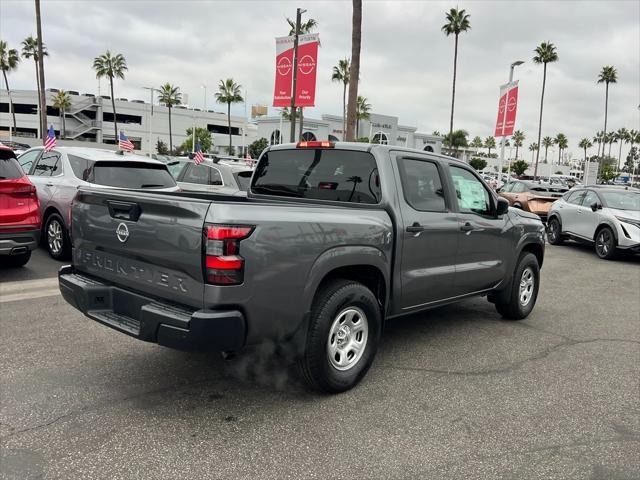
[(622, 200), (125, 174)]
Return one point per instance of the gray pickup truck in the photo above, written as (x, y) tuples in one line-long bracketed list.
[(331, 242)]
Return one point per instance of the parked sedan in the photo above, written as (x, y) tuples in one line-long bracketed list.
[(19, 212), (215, 176), (532, 197), (607, 217), (58, 174)]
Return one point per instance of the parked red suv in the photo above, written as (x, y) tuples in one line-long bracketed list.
[(19, 212)]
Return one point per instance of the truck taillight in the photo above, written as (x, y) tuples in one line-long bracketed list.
[(223, 263)]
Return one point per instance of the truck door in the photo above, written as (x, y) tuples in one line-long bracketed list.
[(484, 242), (430, 232)]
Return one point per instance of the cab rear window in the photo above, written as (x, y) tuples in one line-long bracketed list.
[(131, 175), (333, 175)]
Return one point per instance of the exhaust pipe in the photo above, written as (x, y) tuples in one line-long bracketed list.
[(19, 250)]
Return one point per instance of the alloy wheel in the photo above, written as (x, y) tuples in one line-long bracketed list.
[(54, 236)]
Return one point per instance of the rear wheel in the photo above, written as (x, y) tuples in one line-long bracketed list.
[(606, 244), (343, 336), (56, 238), (523, 293), (554, 232), (17, 260)]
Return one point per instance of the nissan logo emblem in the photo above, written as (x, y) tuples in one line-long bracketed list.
[(122, 232)]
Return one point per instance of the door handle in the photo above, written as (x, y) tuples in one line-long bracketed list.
[(49, 184), (415, 228), (467, 227)]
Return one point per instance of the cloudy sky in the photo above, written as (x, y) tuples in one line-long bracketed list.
[(406, 64)]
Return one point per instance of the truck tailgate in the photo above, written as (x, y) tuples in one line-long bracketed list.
[(147, 242)]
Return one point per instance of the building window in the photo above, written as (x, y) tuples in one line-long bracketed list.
[(275, 137), (428, 148), (381, 138), (333, 138), (223, 129), (122, 118), (308, 137)]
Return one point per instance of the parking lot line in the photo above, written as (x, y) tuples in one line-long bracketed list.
[(28, 289)]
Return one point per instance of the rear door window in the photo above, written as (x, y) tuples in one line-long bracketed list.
[(196, 174), (243, 179), (27, 159), (80, 166), (422, 185), (319, 174), (10, 168), (49, 165), (126, 174)]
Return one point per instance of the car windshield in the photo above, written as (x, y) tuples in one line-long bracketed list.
[(125, 174), (622, 200)]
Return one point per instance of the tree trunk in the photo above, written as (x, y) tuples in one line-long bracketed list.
[(453, 91), (585, 156), (606, 107), (545, 154), (619, 153), (229, 123), (13, 111), (113, 105), (64, 124), (170, 137), (559, 154), (517, 153), (344, 112), (544, 81), (354, 71), (41, 94)]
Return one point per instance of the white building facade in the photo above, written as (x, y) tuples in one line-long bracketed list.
[(90, 119), (378, 128)]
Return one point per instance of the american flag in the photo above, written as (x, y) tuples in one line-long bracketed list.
[(248, 161), (50, 141), (198, 157), (124, 143)]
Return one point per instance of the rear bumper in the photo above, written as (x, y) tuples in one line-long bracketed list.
[(16, 243), (150, 319)]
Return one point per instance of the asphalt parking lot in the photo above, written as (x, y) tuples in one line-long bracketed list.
[(454, 393)]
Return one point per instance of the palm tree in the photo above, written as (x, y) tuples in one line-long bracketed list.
[(363, 112), (170, 96), (544, 53), (533, 147), (62, 101), (610, 138), (354, 73), (518, 139), (562, 142), (110, 66), (608, 75), (30, 50), (584, 144), (546, 143), (341, 74), (305, 27), (489, 143), (457, 22), (9, 59), (476, 143), (599, 138), (229, 92), (622, 135), (456, 140)]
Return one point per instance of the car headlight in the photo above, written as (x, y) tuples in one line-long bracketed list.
[(631, 221)]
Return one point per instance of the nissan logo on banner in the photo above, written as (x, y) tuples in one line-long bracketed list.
[(307, 69), (507, 108)]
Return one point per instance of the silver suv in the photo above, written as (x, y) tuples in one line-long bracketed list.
[(605, 216), (58, 174), (215, 176)]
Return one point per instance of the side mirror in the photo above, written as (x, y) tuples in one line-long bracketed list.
[(595, 206), (502, 207)]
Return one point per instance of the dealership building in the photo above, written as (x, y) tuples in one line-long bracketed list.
[(90, 119), (378, 128)]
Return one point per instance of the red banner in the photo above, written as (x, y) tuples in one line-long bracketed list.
[(507, 108), (284, 72), (307, 69)]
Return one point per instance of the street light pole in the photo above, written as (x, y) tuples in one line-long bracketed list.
[(504, 117), (292, 135), (205, 98), (151, 90)]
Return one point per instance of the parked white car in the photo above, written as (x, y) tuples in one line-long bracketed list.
[(605, 216)]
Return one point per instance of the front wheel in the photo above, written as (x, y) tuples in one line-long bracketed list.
[(523, 292), (606, 244), (343, 337)]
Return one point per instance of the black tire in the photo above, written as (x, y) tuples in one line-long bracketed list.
[(316, 366), (605, 244), (15, 261), (54, 232), (511, 306), (554, 232)]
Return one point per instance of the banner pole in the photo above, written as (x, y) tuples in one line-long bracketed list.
[(295, 76)]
